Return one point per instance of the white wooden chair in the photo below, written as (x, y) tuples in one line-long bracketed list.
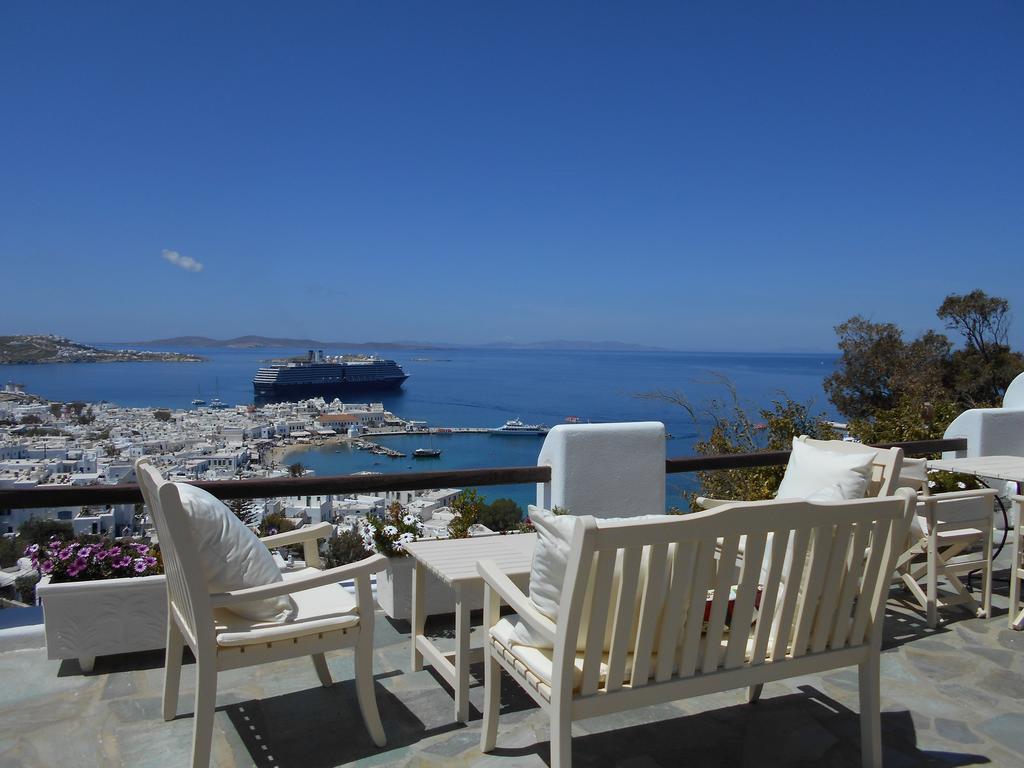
[(1016, 617), (221, 640), (636, 594), (885, 470), (951, 533)]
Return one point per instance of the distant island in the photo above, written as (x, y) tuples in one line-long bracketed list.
[(256, 342), (31, 350)]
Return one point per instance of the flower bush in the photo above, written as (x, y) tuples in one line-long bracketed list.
[(388, 534), (77, 561)]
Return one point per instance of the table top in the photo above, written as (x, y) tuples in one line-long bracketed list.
[(454, 560), (999, 467)]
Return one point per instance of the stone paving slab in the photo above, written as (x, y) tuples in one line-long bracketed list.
[(950, 697)]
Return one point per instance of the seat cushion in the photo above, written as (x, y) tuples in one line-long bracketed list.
[(321, 609), (812, 469), (231, 556)]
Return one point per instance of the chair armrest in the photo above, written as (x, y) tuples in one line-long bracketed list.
[(514, 597), (299, 535), (308, 579), (705, 503), (937, 498)]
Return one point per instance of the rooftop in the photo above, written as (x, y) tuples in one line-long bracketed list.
[(953, 696)]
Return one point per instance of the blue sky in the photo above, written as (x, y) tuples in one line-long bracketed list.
[(726, 176)]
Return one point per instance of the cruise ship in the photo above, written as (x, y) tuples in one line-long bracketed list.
[(327, 377)]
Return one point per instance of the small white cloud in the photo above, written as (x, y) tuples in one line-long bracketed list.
[(185, 262)]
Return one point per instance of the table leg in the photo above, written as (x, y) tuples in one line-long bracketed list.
[(419, 619), (461, 656)]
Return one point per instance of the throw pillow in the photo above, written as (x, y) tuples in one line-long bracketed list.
[(231, 555), (812, 469)]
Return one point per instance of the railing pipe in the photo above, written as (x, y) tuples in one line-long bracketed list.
[(261, 488)]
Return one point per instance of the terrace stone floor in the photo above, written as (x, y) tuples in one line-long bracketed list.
[(950, 697)]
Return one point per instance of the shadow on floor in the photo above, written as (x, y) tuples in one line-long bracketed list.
[(799, 729)]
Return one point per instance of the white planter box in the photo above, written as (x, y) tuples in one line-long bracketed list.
[(86, 619), (394, 591)]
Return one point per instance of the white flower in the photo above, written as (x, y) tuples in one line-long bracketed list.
[(931, 483), (411, 520), (390, 531), (961, 485), (397, 546), (407, 538)]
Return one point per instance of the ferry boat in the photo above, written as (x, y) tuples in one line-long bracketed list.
[(516, 427), (426, 453), (327, 377)]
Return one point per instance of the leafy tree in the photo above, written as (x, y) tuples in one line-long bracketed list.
[(733, 431), (296, 470), (39, 531), (56, 409), (31, 418), (275, 523), (983, 320), (26, 588), (162, 414), (501, 515), (466, 509), (346, 547), (11, 548)]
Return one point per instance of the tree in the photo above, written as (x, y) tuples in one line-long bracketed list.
[(162, 414), (245, 510), (466, 509), (296, 470), (56, 409), (31, 418), (501, 515), (347, 547), (275, 523), (981, 319), (38, 531)]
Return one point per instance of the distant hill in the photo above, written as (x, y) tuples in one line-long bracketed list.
[(255, 342), (31, 349), (608, 346)]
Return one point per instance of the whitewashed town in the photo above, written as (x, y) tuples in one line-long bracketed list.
[(78, 444)]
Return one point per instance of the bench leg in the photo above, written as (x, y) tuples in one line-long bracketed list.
[(754, 693), (561, 737), (870, 712)]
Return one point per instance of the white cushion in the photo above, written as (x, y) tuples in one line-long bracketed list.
[(812, 469), (547, 574), (231, 556), (322, 609)]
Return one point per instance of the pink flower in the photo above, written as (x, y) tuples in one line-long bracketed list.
[(77, 567), (31, 551), (140, 566), (65, 554), (46, 566)]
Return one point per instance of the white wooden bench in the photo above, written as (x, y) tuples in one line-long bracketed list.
[(631, 630)]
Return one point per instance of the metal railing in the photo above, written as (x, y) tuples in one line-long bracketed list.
[(266, 488)]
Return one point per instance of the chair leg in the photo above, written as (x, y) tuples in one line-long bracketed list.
[(320, 664), (172, 668), (987, 576), (492, 702), (206, 700), (365, 693), (933, 584), (754, 693), (870, 712), (561, 737)]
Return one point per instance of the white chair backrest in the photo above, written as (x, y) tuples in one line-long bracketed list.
[(885, 470), (187, 594), (832, 599)]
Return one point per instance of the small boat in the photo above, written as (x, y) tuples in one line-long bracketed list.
[(426, 453), (198, 401), (216, 403), (517, 427)]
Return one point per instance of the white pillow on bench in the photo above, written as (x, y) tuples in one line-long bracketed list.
[(812, 469)]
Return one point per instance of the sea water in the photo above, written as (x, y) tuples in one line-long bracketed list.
[(474, 388)]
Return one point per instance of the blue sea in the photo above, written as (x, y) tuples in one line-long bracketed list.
[(475, 388)]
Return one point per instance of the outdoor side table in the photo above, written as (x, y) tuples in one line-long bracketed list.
[(1009, 468), (453, 561)]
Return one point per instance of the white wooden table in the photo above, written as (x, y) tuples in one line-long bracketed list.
[(1009, 468), (453, 561)]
